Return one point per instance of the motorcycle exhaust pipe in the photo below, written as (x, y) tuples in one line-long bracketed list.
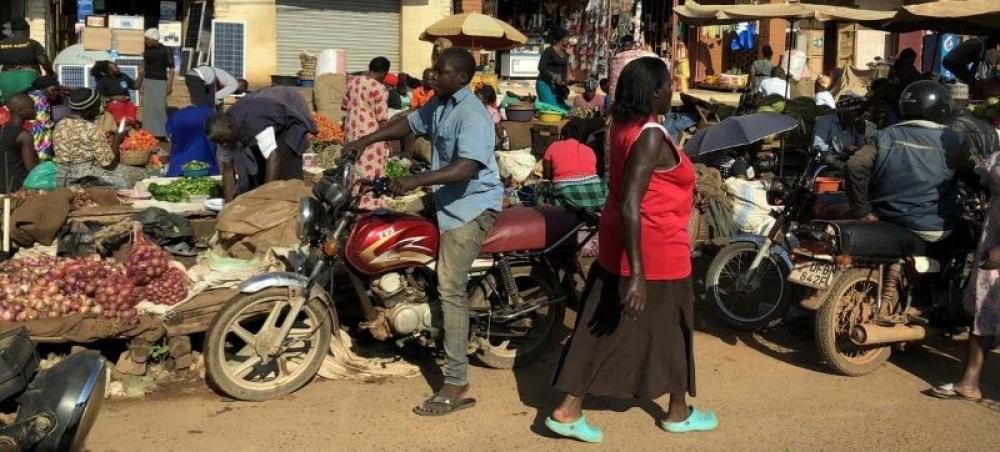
[(871, 334)]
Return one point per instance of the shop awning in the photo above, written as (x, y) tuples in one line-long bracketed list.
[(697, 14), (949, 16)]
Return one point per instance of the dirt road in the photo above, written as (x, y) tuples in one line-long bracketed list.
[(769, 391)]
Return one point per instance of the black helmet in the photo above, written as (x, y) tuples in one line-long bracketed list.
[(925, 99)]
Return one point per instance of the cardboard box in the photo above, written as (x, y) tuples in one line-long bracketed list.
[(130, 42), (127, 22), (96, 38), (97, 20)]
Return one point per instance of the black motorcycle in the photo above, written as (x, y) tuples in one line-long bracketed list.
[(55, 407), (875, 284)]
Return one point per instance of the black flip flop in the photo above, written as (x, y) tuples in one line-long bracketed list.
[(449, 406)]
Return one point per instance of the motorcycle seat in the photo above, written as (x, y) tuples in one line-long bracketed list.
[(529, 229), (879, 239)]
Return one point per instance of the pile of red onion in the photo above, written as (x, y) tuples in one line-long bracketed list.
[(44, 287)]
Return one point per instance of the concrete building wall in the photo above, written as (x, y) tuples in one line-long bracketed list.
[(262, 35), (416, 16), (37, 15)]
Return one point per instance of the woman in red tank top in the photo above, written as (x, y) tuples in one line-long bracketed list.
[(634, 336)]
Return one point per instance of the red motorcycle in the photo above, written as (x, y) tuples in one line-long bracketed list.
[(272, 338)]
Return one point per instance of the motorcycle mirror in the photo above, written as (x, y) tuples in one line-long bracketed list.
[(344, 173)]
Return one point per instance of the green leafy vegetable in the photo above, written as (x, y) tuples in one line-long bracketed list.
[(195, 165), (181, 190), (396, 168)]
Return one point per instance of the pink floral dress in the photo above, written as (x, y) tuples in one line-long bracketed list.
[(367, 103), (983, 296)]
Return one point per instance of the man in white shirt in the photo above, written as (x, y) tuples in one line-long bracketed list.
[(775, 84), (210, 86)]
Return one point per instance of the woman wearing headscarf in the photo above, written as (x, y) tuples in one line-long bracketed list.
[(634, 337), (22, 60), (82, 149), (188, 143), (157, 80), (552, 70), (45, 92)]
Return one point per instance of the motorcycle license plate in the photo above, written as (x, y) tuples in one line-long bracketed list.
[(818, 275)]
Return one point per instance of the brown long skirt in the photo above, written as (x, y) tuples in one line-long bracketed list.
[(612, 355)]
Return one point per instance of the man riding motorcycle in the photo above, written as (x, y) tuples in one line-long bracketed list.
[(468, 196), (845, 124), (909, 176)]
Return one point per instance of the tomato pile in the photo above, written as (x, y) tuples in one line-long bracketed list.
[(140, 140), (328, 130)]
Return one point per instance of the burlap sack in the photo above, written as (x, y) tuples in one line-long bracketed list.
[(259, 220), (328, 93), (82, 328), (40, 217)]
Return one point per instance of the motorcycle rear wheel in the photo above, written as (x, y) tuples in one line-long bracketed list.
[(752, 310), (234, 365), (545, 326), (851, 301)]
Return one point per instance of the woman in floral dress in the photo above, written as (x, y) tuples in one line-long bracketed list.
[(366, 104), (982, 298)]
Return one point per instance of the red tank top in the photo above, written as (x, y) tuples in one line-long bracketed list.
[(665, 209)]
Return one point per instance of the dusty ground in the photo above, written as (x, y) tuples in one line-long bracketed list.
[(769, 390)]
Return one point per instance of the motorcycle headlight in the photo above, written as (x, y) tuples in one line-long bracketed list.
[(70, 394), (310, 218)]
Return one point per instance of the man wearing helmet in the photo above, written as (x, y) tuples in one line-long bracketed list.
[(845, 125), (908, 176)]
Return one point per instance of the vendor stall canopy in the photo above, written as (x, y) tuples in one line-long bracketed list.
[(476, 31), (947, 16), (697, 14)]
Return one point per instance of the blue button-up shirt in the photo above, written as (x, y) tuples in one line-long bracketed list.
[(460, 127)]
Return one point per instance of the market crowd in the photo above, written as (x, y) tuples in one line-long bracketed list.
[(634, 337)]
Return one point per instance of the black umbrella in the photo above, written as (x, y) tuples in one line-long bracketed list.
[(738, 131)]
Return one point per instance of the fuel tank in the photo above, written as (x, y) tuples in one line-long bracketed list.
[(386, 241)]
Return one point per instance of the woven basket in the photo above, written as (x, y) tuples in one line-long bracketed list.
[(136, 158)]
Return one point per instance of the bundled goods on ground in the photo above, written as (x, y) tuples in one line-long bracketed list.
[(989, 111), (183, 189), (802, 108), (45, 287)]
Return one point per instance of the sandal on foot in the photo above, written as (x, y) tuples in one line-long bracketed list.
[(579, 429), (697, 421), (950, 391), (439, 405)]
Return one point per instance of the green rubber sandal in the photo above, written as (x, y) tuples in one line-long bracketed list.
[(580, 430), (697, 421)]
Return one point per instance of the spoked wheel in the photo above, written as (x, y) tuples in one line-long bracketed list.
[(241, 357), (520, 342), (744, 303), (852, 301)]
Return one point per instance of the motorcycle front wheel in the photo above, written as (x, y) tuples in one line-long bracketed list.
[(238, 362), (521, 342), (747, 307), (852, 302)]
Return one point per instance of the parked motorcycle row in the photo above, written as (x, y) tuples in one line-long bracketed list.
[(870, 286)]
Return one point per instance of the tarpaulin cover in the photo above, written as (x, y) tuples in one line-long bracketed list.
[(260, 219)]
